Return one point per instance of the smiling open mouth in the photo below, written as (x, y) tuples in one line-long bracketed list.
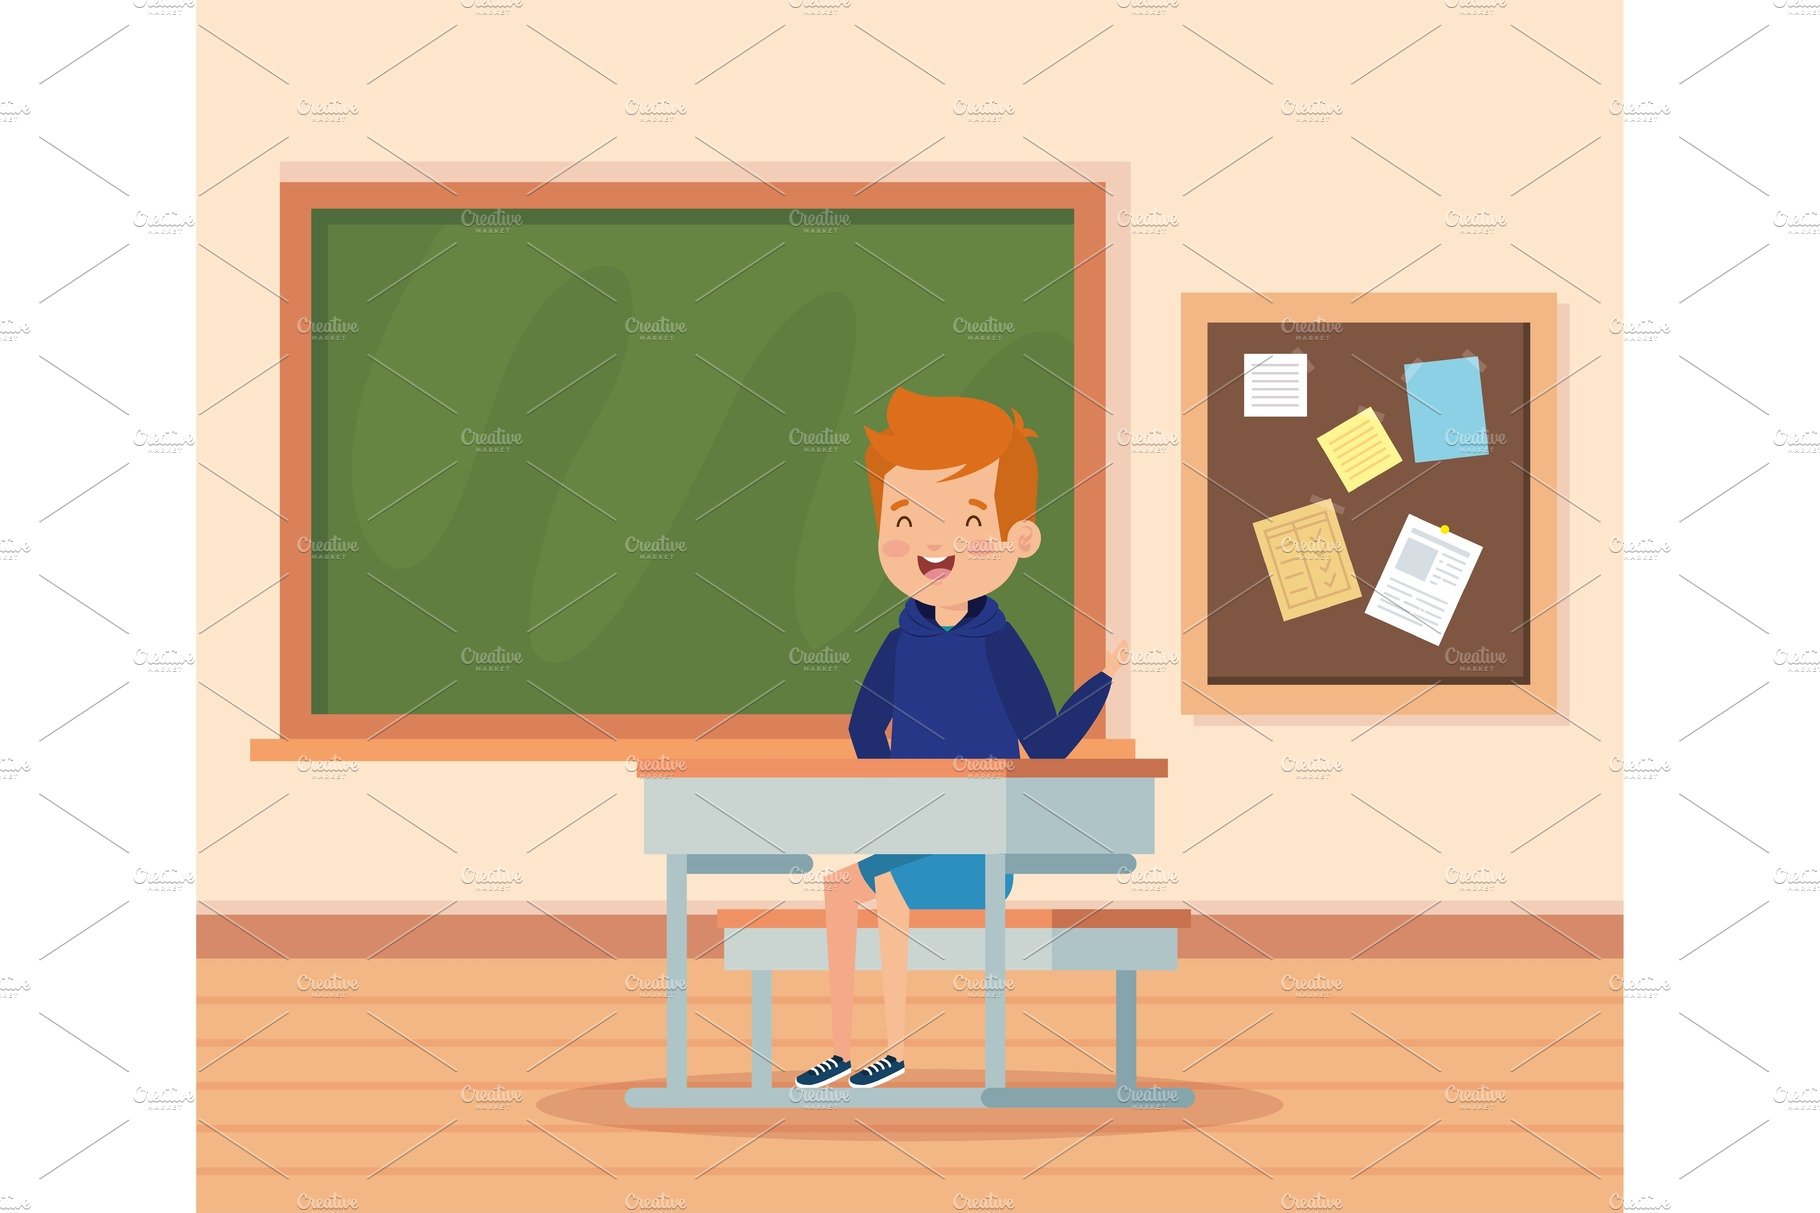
[(935, 570)]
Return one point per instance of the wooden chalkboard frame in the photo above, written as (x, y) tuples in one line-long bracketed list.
[(1540, 694), (556, 735)]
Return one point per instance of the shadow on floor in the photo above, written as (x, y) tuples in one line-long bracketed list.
[(605, 1104)]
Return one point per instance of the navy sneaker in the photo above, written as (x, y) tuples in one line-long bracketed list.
[(824, 1072), (878, 1073)]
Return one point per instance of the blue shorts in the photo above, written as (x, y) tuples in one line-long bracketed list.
[(933, 882)]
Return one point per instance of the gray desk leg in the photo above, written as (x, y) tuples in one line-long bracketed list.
[(1125, 1028), (761, 1029), (676, 972), (995, 970)]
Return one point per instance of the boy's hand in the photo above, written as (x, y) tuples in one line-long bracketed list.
[(1116, 656)]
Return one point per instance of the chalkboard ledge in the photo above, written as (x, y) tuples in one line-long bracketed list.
[(644, 756)]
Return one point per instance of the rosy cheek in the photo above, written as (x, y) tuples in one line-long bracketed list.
[(895, 547)]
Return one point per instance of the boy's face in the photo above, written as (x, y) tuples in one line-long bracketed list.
[(939, 540)]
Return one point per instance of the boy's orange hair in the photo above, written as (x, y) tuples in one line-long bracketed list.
[(928, 433)]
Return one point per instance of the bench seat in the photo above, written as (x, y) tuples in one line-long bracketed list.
[(1056, 938), (1117, 941), (1061, 940)]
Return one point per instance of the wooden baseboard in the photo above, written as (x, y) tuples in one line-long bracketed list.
[(1384, 931)]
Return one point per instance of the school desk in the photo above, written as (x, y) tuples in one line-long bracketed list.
[(1079, 815)]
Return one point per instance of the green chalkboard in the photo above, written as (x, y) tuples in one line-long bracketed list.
[(608, 461)]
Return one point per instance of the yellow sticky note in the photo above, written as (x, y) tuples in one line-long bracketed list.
[(1310, 569), (1360, 449)]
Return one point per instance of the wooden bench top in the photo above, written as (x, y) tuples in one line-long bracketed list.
[(1040, 917)]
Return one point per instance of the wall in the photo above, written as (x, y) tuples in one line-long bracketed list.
[(1467, 117)]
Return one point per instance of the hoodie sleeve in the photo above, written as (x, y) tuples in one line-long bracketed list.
[(1045, 732), (872, 710)]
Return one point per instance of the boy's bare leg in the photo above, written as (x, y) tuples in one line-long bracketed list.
[(894, 961), (842, 893)]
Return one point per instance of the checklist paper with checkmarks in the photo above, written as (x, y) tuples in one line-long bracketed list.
[(1310, 569)]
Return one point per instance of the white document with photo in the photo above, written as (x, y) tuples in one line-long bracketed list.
[(1423, 580), (1276, 385)]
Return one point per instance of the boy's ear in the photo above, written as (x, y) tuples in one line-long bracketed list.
[(1025, 538)]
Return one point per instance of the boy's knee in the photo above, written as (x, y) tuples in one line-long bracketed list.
[(846, 885), (889, 896)]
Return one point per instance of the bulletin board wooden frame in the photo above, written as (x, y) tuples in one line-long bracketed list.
[(1538, 694)]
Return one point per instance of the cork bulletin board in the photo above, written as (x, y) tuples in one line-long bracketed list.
[(1495, 655)]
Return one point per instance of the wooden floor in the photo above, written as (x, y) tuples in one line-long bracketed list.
[(496, 1085)]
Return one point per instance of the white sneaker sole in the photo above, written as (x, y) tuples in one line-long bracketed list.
[(881, 1082), (815, 1086)]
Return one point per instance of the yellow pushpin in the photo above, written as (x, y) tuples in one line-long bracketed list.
[(1445, 529)]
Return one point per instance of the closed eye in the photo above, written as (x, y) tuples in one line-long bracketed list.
[(903, 520), (974, 520)]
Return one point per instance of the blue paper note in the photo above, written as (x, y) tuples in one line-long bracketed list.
[(1446, 409)]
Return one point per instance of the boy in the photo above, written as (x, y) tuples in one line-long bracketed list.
[(954, 491)]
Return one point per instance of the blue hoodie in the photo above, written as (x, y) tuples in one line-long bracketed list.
[(972, 691)]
